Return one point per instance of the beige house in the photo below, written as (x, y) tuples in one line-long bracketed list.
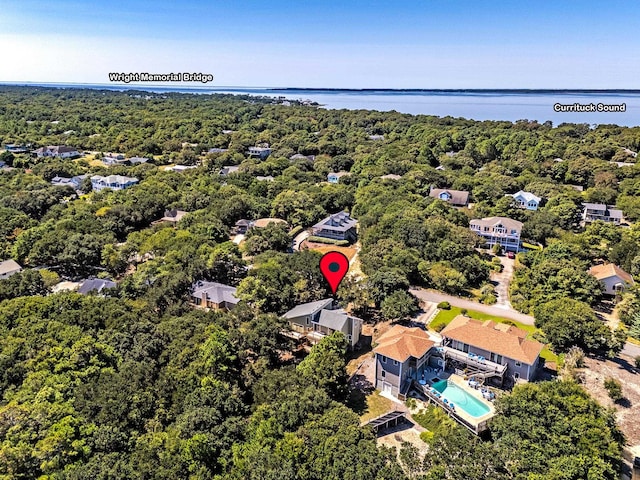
[(613, 279)]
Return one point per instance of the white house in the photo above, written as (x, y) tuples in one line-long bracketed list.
[(526, 200), (114, 182), (500, 230), (59, 151)]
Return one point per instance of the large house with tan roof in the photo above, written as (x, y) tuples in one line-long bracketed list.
[(402, 354), (614, 280), (490, 350)]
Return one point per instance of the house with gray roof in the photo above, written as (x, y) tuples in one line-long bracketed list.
[(339, 226), (114, 182), (599, 211), (58, 151), (457, 198), (8, 268), (260, 152), (213, 295), (228, 170), (315, 320), (73, 182), (526, 200), (96, 285)]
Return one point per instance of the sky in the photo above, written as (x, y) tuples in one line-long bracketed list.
[(327, 44)]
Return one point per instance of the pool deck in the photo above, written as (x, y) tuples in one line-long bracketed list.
[(475, 424), (462, 383)]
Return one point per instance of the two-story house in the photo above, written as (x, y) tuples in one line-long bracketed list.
[(489, 349), (598, 211), (260, 152), (339, 226), (498, 230), (457, 198), (315, 320), (114, 182), (59, 151), (401, 356), (526, 200), (213, 295)]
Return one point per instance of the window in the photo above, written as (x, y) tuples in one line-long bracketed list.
[(395, 362), (383, 359), (516, 375), (383, 374), (518, 364)]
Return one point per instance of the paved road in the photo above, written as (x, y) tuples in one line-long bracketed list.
[(437, 297), (630, 349)]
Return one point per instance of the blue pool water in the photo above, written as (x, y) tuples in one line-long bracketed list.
[(461, 399)]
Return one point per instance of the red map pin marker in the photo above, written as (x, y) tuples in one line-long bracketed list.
[(334, 266)]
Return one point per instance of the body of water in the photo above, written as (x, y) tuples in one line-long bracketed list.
[(510, 105)]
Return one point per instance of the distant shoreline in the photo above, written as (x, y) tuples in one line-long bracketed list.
[(171, 87)]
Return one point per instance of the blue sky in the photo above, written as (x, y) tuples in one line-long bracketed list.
[(350, 44)]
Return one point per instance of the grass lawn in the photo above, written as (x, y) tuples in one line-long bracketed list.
[(376, 405), (445, 316)]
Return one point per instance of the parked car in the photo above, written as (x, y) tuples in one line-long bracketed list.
[(511, 255)]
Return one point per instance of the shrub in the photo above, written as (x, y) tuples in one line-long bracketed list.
[(637, 361), (295, 231), (614, 388), (489, 299), (464, 311), (410, 403), (439, 327), (328, 241), (444, 306)]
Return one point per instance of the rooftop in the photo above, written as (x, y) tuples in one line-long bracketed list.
[(95, 284), (460, 197), (500, 338), (310, 308), (340, 222), (527, 196), (495, 221), (9, 266), (215, 292), (400, 343), (610, 270)]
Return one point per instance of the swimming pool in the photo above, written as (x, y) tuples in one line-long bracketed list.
[(461, 399)]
